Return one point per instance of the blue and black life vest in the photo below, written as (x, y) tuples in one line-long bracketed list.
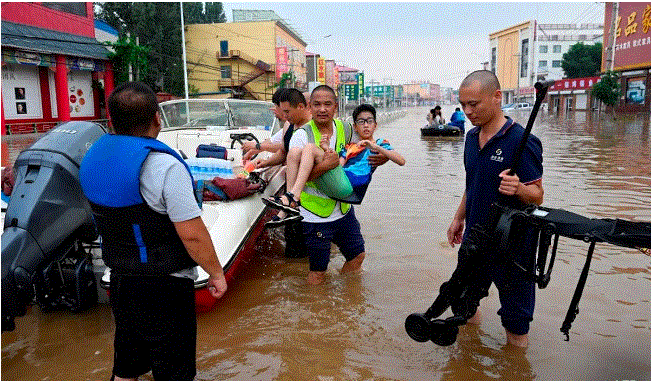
[(135, 238)]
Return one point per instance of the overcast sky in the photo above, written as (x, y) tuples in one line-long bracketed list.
[(406, 41)]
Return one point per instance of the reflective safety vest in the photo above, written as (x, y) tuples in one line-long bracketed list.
[(311, 198)]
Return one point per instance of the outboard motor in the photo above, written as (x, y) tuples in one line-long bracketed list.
[(47, 218)]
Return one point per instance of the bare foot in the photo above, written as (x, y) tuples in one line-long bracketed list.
[(315, 277), (354, 264), (476, 319), (520, 341)]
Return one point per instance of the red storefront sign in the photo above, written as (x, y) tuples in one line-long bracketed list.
[(282, 61), (575, 84), (632, 49), (321, 71)]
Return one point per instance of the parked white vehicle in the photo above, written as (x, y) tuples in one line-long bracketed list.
[(517, 106)]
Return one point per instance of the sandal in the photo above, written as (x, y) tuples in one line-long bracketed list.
[(277, 203), (277, 221)]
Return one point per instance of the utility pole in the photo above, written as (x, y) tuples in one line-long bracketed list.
[(613, 35), (183, 50)]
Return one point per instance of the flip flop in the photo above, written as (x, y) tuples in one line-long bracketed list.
[(276, 221), (277, 203)]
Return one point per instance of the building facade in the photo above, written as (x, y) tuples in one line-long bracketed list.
[(628, 52), (421, 94), (51, 66), (527, 52), (251, 58)]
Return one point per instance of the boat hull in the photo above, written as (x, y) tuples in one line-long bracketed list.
[(441, 130)]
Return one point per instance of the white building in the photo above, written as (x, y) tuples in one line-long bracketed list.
[(553, 40)]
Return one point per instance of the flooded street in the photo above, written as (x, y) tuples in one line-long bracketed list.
[(271, 325)]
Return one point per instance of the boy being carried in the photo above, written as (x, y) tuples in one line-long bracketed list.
[(347, 182)]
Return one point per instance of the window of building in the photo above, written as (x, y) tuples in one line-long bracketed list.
[(524, 58), (493, 62), (225, 71), (542, 64), (544, 49), (557, 48), (78, 9), (582, 37), (556, 63), (224, 48), (553, 37)]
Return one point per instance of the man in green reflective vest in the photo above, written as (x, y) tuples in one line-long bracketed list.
[(325, 220)]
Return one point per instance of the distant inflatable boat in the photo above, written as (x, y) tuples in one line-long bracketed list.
[(441, 130)]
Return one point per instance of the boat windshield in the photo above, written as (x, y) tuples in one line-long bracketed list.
[(225, 114), (195, 114), (250, 114)]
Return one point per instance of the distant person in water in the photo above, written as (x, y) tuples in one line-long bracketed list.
[(458, 119), (438, 119)]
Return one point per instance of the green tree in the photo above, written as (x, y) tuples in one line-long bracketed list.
[(128, 56), (158, 27), (286, 80), (582, 60), (608, 90)]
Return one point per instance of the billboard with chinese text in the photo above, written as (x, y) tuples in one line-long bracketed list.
[(632, 49)]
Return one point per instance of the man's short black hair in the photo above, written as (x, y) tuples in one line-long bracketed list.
[(437, 107), (293, 96), (362, 108), (457, 108), (276, 97), (132, 107), (488, 80), (324, 88)]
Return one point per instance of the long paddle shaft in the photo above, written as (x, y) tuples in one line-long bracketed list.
[(541, 87)]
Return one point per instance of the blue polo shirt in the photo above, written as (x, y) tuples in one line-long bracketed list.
[(483, 167)]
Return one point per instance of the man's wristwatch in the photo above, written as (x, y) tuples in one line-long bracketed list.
[(258, 146)]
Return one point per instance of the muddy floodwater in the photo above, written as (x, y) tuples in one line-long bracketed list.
[(271, 325)]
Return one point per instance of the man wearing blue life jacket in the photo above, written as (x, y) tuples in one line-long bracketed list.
[(141, 193), (458, 119)]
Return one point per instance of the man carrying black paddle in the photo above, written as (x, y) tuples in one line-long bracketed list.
[(489, 149)]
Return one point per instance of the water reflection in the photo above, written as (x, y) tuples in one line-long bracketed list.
[(478, 356)]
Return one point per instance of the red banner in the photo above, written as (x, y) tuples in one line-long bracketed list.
[(633, 35), (575, 84), (282, 61), (321, 71)]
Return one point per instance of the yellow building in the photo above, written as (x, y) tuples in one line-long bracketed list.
[(510, 53), (243, 59)]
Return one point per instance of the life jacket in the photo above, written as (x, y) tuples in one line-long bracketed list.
[(135, 238), (311, 198)]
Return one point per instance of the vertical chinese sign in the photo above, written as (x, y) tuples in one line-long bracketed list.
[(282, 61), (321, 71)]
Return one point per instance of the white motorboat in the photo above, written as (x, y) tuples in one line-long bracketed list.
[(234, 225)]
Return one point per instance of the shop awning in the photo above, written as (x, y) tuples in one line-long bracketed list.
[(48, 41)]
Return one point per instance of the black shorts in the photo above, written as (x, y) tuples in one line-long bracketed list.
[(344, 232), (156, 327)]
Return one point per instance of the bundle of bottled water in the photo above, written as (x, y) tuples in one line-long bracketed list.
[(206, 168)]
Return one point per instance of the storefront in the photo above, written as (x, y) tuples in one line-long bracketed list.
[(629, 53), (49, 77), (573, 94)]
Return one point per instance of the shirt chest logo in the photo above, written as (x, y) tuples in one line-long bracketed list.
[(498, 156)]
